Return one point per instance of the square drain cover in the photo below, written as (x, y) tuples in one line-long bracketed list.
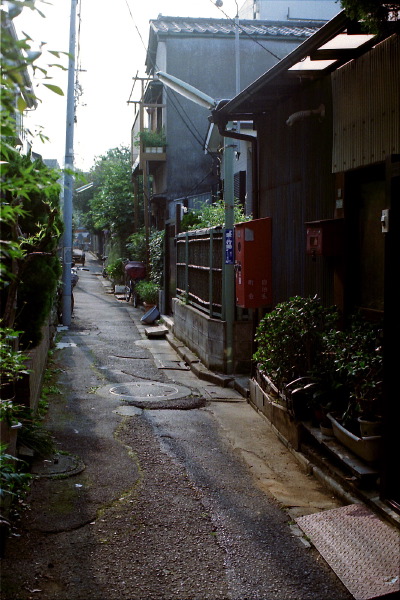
[(362, 550)]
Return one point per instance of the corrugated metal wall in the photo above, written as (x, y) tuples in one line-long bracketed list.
[(296, 186), (367, 131)]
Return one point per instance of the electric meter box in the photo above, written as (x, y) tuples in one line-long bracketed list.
[(253, 263), (325, 238)]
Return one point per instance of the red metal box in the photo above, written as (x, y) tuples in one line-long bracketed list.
[(253, 263)]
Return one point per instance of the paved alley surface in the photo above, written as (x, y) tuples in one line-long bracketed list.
[(165, 487)]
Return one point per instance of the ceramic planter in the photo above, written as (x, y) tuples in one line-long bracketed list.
[(326, 431), (370, 428), (366, 448)]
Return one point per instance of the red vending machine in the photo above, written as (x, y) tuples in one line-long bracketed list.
[(253, 263)]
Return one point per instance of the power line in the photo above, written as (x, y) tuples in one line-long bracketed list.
[(172, 96), (245, 32)]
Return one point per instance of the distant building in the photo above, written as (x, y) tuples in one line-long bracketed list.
[(288, 10), (52, 163), (178, 174)]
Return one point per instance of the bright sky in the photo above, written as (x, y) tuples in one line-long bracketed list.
[(112, 39)]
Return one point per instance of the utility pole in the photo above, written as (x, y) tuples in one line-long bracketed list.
[(143, 165), (228, 288), (68, 177), (228, 291)]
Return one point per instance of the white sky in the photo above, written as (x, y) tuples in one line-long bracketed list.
[(111, 52)]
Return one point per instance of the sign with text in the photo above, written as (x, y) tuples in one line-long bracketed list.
[(229, 249)]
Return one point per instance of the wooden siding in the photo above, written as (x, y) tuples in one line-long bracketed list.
[(366, 131)]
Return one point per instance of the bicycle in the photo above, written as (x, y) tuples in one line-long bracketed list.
[(134, 272), (130, 291)]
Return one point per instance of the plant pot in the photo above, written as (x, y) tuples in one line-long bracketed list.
[(148, 306), (370, 428), (326, 430), (366, 448)]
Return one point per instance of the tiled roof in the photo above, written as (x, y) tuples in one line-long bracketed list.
[(226, 27)]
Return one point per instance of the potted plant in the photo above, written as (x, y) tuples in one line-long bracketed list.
[(359, 364), (148, 292), (290, 344), (116, 271), (151, 139)]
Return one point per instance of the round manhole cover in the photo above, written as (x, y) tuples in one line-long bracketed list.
[(151, 390)]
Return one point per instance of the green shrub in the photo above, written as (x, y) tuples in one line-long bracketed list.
[(290, 339), (148, 291), (36, 296), (13, 480), (136, 246), (115, 270), (212, 215), (151, 139)]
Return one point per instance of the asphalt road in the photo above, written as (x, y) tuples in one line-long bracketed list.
[(160, 506)]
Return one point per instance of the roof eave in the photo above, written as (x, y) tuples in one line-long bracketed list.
[(232, 108)]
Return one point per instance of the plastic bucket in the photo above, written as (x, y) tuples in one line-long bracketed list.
[(152, 315)]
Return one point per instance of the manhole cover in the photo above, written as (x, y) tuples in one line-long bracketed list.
[(150, 390), (58, 466)]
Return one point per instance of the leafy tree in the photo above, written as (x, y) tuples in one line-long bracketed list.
[(30, 223), (377, 16), (111, 206)]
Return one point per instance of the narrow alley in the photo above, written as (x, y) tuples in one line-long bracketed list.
[(153, 492)]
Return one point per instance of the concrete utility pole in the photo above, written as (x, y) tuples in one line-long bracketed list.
[(68, 177), (228, 289), (144, 167)]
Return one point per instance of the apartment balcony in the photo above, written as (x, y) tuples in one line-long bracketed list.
[(152, 154)]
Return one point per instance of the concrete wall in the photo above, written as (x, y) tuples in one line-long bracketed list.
[(208, 64), (276, 414), (206, 337), (29, 388)]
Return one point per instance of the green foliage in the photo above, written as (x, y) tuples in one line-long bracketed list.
[(13, 481), (13, 365), (36, 295), (111, 206), (211, 215), (151, 139), (300, 339), (356, 356), (290, 339), (34, 436), (148, 291), (30, 223), (156, 248), (375, 15), (136, 246), (115, 270)]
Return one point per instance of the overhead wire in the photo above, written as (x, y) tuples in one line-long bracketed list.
[(240, 27), (172, 95)]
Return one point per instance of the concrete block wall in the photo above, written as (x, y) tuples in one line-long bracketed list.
[(206, 337), (28, 389), (276, 414)]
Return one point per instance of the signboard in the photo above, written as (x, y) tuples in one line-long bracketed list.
[(229, 248)]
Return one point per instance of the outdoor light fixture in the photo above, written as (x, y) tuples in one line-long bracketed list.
[(187, 90)]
